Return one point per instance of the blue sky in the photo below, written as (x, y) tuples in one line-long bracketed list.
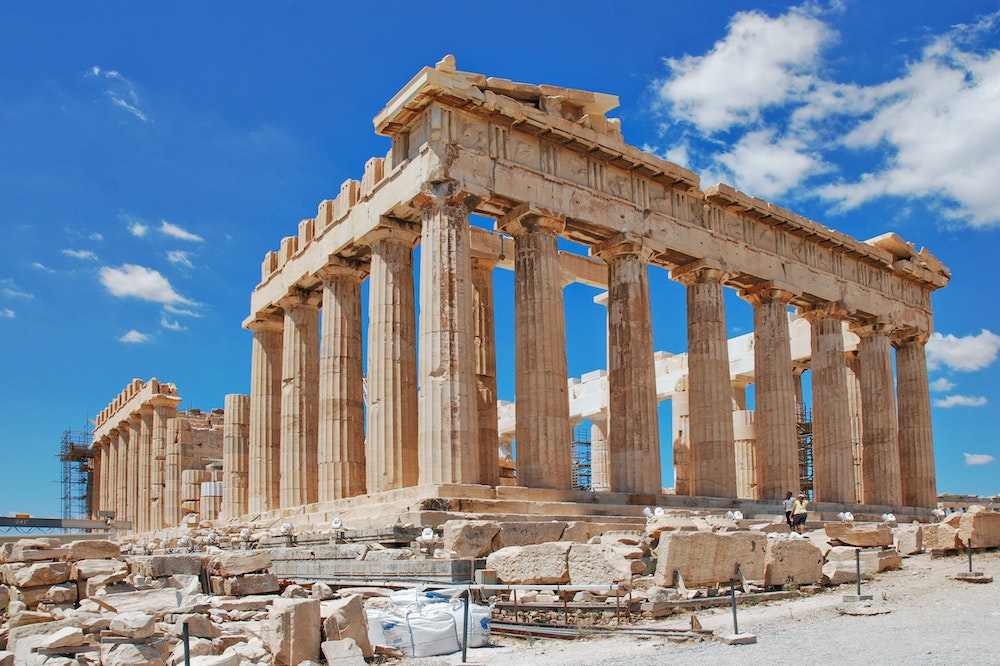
[(152, 153)]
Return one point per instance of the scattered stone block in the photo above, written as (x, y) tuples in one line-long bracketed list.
[(198, 625), (528, 533), (343, 652), (908, 539), (4, 597), (981, 526), (346, 619), (656, 525), (294, 630), (26, 617), (152, 602), (246, 585), (198, 647), (92, 549), (707, 558), (862, 535), (238, 562), (534, 564), (34, 575), (90, 568), (873, 560), (597, 564), (576, 530), (57, 594), (940, 536), (131, 654), (321, 591), (133, 624), (469, 538), (6, 658), (216, 660), (161, 566), (796, 560)]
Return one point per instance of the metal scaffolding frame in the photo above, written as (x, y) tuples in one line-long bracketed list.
[(77, 473), (582, 478), (804, 430)]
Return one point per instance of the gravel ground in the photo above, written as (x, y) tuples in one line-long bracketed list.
[(918, 616)]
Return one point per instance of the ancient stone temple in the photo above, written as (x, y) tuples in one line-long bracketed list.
[(547, 163), (155, 466)]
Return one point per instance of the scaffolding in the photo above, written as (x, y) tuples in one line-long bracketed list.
[(582, 479), (77, 473), (804, 430)]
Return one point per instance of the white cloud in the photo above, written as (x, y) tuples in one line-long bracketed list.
[(42, 267), (768, 165), (134, 336), (121, 91), (140, 282), (762, 61), (181, 312), (171, 325), (978, 458), (137, 228), (177, 232), (960, 401), (11, 290), (965, 354), (942, 385), (80, 254), (179, 257), (7, 312)]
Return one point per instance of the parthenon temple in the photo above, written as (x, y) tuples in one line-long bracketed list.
[(327, 431)]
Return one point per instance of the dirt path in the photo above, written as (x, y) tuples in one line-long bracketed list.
[(922, 617)]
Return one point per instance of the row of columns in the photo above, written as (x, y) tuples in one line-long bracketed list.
[(307, 419)]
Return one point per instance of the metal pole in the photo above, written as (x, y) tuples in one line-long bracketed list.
[(186, 635), (970, 553), (465, 626), (857, 563), (732, 592)]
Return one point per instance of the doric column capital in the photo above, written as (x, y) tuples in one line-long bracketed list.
[(527, 218), (901, 337), (824, 310), (300, 298), (265, 322), (483, 263), (164, 401), (700, 271), (391, 229), (621, 245), (342, 267), (872, 326), (767, 292), (445, 193)]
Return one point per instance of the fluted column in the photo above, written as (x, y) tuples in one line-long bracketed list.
[(833, 477), (145, 453), (916, 439), (172, 513), (265, 415), (852, 364), (633, 429), (777, 459), (679, 434), (544, 456), (486, 370), (448, 444), (392, 432), (235, 455), (880, 446), (121, 471), (600, 474), (300, 400), (132, 460), (713, 466), (163, 410), (341, 447), (97, 486)]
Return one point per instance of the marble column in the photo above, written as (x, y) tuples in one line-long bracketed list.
[(300, 400), (852, 364), (833, 476), (111, 476), (448, 444), (97, 483), (235, 456), (486, 370), (543, 435), (879, 446), (121, 469), (680, 429), (265, 415), (777, 457), (144, 482), (172, 513), (633, 429), (163, 410), (713, 466), (341, 448), (916, 440), (392, 433), (134, 447)]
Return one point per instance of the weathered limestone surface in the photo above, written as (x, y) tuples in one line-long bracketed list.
[(707, 558), (862, 535), (469, 538), (980, 526), (265, 415), (294, 631), (873, 560), (916, 440), (346, 619), (544, 563), (238, 562), (797, 561), (513, 533), (235, 456), (908, 539), (299, 402), (597, 564), (880, 446)]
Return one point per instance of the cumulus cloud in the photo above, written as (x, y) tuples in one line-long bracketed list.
[(175, 231), (134, 336), (763, 85), (137, 228), (978, 458), (120, 91), (173, 325), (960, 401), (7, 313), (80, 254), (964, 354), (942, 385), (180, 258), (139, 282)]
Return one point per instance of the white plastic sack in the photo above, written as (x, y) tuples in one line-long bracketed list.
[(432, 632), (479, 622)]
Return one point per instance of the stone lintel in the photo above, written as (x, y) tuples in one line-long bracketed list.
[(871, 326), (342, 267), (908, 335), (824, 309), (529, 217), (399, 230)]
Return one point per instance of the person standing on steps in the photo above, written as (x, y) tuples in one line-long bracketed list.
[(799, 514), (789, 504)]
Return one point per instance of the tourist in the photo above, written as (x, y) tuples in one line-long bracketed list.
[(799, 513), (789, 504)]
